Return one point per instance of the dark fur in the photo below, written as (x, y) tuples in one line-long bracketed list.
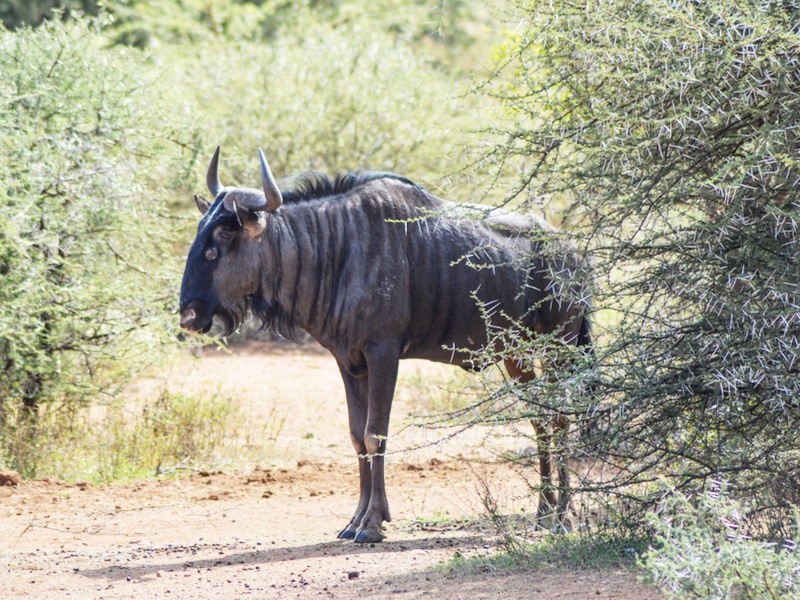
[(314, 185), (377, 269)]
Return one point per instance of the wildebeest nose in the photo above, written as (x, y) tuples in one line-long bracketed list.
[(187, 319)]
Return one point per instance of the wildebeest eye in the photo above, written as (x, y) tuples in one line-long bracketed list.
[(211, 253), (224, 234)]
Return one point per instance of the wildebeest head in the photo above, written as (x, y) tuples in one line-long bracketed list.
[(221, 272)]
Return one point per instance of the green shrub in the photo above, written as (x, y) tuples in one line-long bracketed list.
[(166, 434), (663, 136), (19, 13), (329, 99), (701, 552), (85, 293)]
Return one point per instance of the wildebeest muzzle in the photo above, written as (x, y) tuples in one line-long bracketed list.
[(195, 319)]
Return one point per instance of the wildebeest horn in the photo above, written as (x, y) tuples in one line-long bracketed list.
[(212, 177), (271, 191)]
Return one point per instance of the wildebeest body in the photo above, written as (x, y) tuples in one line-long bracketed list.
[(376, 269), (381, 261)]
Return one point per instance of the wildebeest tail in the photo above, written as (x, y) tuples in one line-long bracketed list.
[(585, 336), (589, 424)]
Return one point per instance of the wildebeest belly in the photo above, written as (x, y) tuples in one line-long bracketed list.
[(456, 310)]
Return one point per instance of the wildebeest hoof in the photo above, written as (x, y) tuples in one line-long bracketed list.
[(368, 536), (553, 523), (565, 525), (348, 533)]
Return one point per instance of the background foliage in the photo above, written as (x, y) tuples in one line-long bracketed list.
[(665, 134), (103, 144), (19, 13), (702, 553), (83, 296), (662, 135)]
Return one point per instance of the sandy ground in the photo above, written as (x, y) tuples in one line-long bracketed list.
[(270, 532)]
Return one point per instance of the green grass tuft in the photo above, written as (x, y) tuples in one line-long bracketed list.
[(600, 551), (161, 435)]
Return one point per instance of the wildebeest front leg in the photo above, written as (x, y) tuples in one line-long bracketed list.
[(382, 363), (357, 390)]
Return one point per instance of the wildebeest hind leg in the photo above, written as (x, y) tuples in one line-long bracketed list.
[(357, 394), (553, 503), (564, 491), (547, 494)]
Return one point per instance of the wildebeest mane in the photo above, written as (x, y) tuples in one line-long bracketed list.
[(315, 185)]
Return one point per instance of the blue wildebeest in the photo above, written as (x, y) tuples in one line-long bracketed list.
[(377, 269)]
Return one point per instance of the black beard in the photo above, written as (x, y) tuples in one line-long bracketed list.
[(273, 317), (233, 316)]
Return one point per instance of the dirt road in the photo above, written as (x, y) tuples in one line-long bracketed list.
[(270, 531)]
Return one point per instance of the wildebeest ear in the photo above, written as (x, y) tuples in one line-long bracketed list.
[(202, 204), (252, 222)]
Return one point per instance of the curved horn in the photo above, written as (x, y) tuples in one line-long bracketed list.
[(212, 177), (271, 191)]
